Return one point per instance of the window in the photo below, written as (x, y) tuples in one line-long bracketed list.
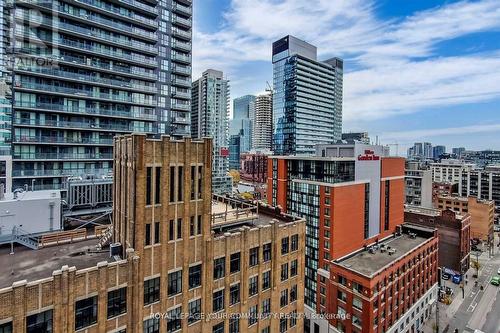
[(172, 184), (357, 287), (266, 330), (218, 301), (356, 320), (234, 294), (234, 265), (157, 232), (283, 325), (6, 328), (254, 256), (151, 325), (171, 231), (195, 276), (284, 245), (219, 268), (199, 223), (342, 280), (357, 303), (284, 272), (253, 285), (179, 228), (191, 226), (234, 325), (180, 183), (174, 320), (193, 178), (85, 312), (194, 311), (151, 291), (147, 234), (117, 302), (252, 315), (219, 328), (293, 318), (342, 296), (158, 185), (174, 283), (284, 298), (200, 174), (39, 322), (293, 267), (266, 280), (295, 243), (148, 185), (293, 293), (266, 306), (266, 252)]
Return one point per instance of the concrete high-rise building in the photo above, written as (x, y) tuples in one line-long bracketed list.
[(418, 185), (5, 83), (437, 151), (234, 152), (449, 170), (263, 122), (307, 98), (182, 260), (458, 151), (86, 71), (209, 118), (428, 152), (242, 123), (482, 184)]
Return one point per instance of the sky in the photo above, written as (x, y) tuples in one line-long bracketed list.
[(414, 70)]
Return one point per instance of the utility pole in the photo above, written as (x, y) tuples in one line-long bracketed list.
[(437, 301)]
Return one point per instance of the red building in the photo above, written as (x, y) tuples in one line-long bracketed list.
[(352, 196), (254, 167)]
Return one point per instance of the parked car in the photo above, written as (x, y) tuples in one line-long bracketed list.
[(446, 276), (495, 281), (456, 278)]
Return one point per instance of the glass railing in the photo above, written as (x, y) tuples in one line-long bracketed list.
[(58, 139), (182, 33), (182, 9), (84, 110), (140, 5), (116, 11), (181, 57), (61, 172), (179, 20), (180, 106), (82, 92), (87, 77), (78, 124), (181, 45), (182, 70), (181, 82), (181, 94), (61, 156)]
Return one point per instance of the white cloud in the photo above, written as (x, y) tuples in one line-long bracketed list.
[(410, 136), (396, 68)]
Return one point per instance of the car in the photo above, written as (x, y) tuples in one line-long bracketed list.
[(449, 291), (446, 276), (457, 278), (495, 281)]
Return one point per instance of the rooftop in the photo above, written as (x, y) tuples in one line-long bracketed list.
[(367, 263), (30, 265)]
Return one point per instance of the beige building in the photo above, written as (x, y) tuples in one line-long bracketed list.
[(186, 261), (482, 213)]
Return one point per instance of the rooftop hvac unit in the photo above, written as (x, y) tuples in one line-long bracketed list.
[(115, 249)]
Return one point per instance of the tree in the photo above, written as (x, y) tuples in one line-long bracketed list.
[(235, 174)]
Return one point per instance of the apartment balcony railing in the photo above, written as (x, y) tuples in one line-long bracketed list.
[(181, 33), (57, 139), (181, 21), (181, 57), (83, 93), (79, 125), (61, 172), (140, 5), (84, 110), (182, 9), (180, 120), (180, 106), (181, 82), (181, 94), (181, 46), (88, 78), (62, 156), (181, 69)]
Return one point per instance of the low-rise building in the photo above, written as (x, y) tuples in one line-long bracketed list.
[(482, 214), (182, 259), (453, 231), (446, 189), (254, 167), (388, 286)]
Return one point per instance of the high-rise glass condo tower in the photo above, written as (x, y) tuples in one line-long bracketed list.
[(307, 100), (243, 120), (85, 71), (5, 82), (209, 118), (263, 122)]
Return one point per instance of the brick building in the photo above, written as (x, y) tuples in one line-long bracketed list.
[(482, 214), (454, 232), (254, 167), (351, 195), (442, 189), (187, 259)]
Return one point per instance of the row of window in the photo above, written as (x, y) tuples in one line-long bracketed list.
[(174, 230), (174, 284)]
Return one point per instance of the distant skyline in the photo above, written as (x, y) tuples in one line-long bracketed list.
[(414, 70)]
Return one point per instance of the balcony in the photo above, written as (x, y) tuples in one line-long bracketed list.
[(60, 172), (62, 156), (41, 139), (181, 106), (186, 70), (186, 23), (180, 120), (91, 79), (181, 94), (181, 58), (143, 6), (88, 125), (177, 81), (82, 93), (181, 33), (177, 8), (83, 110), (181, 46)]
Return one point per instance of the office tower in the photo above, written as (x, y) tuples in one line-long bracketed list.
[(209, 118), (427, 153), (357, 136), (180, 265), (307, 99), (263, 123), (88, 70), (234, 152), (458, 151), (242, 123), (437, 151)]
